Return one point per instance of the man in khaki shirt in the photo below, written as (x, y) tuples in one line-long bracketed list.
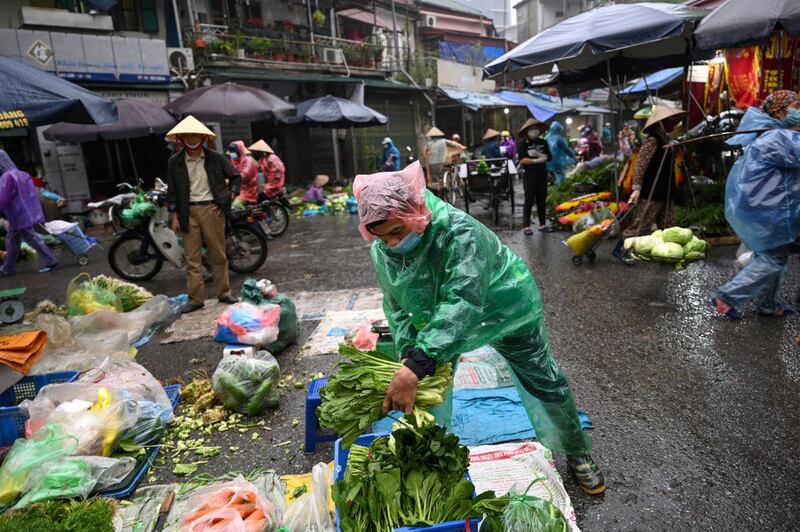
[(201, 184)]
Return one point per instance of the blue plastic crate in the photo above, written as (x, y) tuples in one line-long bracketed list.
[(12, 420), (126, 487), (340, 457), (314, 434)]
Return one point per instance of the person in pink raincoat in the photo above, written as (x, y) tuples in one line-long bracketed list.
[(19, 205), (246, 166), (271, 168)]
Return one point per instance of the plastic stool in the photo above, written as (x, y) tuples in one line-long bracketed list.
[(314, 434)]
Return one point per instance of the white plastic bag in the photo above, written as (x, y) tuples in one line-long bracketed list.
[(309, 513), (131, 377), (245, 323), (743, 257)]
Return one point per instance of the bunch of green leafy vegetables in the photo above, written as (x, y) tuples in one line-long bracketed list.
[(353, 398), (415, 477)]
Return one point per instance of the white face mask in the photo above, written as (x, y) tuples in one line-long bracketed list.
[(533, 133), (193, 146)]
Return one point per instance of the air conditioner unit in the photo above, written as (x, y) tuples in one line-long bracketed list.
[(333, 55), (430, 21), (180, 59)]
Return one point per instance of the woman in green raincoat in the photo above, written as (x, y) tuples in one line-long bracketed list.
[(449, 287)]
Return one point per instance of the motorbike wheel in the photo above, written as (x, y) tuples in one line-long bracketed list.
[(125, 259), (278, 220), (246, 248)]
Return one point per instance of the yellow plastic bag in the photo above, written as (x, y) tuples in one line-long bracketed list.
[(85, 298)]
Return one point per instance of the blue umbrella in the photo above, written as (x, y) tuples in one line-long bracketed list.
[(622, 38), (333, 112), (33, 97), (655, 81)]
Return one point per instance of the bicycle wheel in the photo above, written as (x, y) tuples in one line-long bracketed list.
[(246, 249)]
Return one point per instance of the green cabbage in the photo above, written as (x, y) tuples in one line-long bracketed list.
[(694, 255), (677, 235), (629, 242), (695, 245), (658, 234), (667, 250), (644, 244)]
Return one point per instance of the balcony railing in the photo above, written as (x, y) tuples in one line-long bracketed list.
[(219, 44)]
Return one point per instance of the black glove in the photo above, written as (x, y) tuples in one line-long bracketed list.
[(418, 362)]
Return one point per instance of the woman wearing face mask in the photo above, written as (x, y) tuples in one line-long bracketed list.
[(762, 204), (534, 154), (449, 286), (247, 168)]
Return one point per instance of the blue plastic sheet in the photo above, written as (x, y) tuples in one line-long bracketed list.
[(486, 416)]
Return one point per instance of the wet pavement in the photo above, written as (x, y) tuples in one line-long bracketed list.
[(696, 416)]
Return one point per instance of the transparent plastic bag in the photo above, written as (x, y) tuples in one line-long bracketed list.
[(263, 292), (96, 416), (247, 384), (131, 377), (74, 476), (309, 513), (85, 298), (61, 479), (25, 455), (151, 425), (525, 513), (243, 323), (234, 506), (743, 257), (363, 338)]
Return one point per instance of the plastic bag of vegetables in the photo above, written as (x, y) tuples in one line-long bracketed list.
[(526, 512), (247, 384), (244, 323)]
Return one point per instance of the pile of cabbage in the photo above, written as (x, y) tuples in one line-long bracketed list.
[(675, 245)]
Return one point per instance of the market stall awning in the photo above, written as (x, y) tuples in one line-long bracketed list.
[(534, 105), (366, 17), (632, 38), (137, 118), (544, 107), (655, 80), (739, 23), (32, 97), (477, 100), (333, 112)]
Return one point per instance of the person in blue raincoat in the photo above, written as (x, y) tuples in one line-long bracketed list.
[(450, 286), (762, 204), (390, 159), (562, 155)]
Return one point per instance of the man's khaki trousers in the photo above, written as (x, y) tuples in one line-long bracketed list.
[(205, 226)]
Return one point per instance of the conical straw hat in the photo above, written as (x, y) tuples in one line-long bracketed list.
[(661, 112), (261, 146), (188, 126), (529, 123), (321, 180), (490, 133), (434, 132)]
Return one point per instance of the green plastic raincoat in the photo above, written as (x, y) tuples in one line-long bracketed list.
[(461, 289)]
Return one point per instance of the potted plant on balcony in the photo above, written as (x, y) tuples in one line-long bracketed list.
[(318, 17), (221, 47), (278, 52), (261, 47)]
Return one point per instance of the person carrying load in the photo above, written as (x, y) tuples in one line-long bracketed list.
[(450, 286)]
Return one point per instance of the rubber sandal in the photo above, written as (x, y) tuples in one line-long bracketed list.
[(528, 231), (732, 313), (785, 311)]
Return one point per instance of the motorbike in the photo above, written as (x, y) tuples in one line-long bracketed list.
[(139, 252), (108, 210), (276, 211)]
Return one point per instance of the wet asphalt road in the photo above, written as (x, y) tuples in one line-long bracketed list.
[(696, 417)]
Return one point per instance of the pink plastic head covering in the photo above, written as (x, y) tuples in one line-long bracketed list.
[(399, 195)]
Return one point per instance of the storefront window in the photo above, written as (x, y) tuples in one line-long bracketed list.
[(135, 15)]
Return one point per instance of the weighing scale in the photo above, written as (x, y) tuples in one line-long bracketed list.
[(11, 308)]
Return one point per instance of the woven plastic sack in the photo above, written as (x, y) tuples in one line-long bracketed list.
[(247, 384), (85, 298), (244, 323), (234, 506), (26, 455), (288, 325)]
